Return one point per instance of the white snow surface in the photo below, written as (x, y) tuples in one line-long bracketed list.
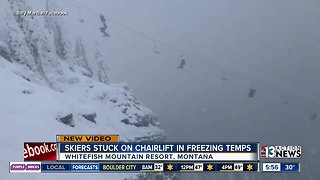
[(31, 117)]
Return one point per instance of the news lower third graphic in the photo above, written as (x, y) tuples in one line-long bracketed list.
[(106, 154), (157, 151)]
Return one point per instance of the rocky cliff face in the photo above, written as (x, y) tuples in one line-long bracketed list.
[(46, 55)]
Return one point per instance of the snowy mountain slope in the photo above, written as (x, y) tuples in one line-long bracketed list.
[(56, 83), (29, 111)]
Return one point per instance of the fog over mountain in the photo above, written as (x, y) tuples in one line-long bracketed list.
[(229, 48), (210, 71)]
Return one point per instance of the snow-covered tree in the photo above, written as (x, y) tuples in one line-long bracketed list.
[(17, 45), (81, 57), (56, 25), (29, 42), (102, 68)]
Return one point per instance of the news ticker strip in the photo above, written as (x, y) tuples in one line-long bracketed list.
[(87, 138), (157, 152), (57, 167)]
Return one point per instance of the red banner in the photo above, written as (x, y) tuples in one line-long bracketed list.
[(40, 151)]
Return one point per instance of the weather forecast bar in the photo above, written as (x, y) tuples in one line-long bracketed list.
[(56, 167)]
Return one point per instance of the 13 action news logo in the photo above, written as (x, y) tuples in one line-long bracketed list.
[(280, 152)]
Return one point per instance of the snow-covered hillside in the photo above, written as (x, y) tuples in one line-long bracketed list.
[(54, 80)]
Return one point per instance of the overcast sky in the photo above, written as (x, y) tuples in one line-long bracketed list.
[(269, 45), (230, 47)]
